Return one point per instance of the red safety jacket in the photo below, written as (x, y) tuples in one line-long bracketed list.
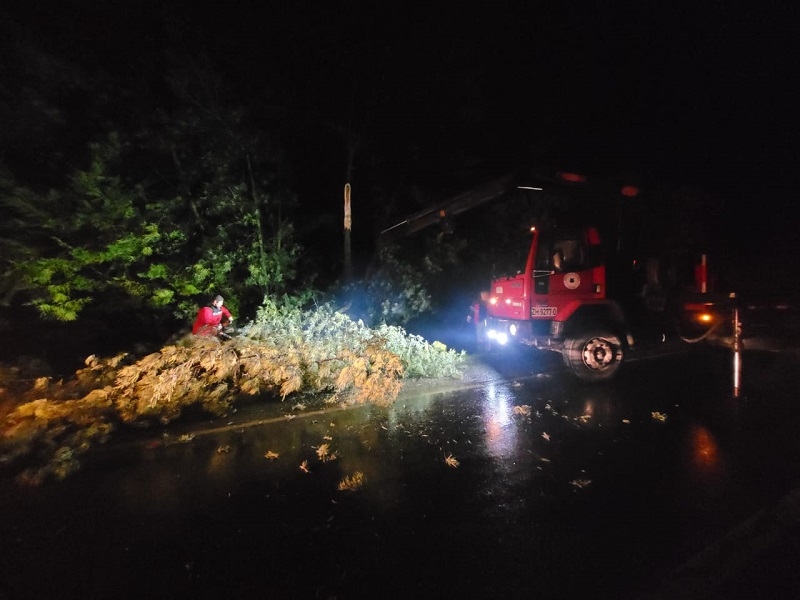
[(209, 319)]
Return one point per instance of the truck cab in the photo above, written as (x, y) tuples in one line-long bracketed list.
[(558, 302)]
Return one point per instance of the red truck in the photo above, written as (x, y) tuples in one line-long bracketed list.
[(559, 300)]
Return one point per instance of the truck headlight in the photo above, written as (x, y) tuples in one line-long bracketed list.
[(501, 337)]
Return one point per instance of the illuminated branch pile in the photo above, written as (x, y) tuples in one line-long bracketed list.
[(320, 353)]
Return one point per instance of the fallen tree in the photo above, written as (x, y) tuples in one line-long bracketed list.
[(282, 353)]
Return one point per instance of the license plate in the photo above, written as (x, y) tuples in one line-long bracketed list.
[(544, 311)]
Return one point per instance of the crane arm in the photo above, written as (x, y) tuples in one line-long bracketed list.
[(450, 207)]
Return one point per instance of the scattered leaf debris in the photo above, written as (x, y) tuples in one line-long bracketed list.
[(450, 461), (546, 436), (183, 439), (271, 455), (524, 409), (659, 416), (304, 467), (580, 483), (324, 453), (223, 449), (352, 482)]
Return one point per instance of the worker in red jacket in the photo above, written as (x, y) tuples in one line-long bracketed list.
[(212, 318)]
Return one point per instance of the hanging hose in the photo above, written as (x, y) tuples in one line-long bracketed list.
[(701, 337)]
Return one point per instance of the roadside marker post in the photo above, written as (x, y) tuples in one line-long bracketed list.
[(737, 349)]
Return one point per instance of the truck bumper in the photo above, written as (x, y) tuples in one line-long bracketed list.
[(538, 334)]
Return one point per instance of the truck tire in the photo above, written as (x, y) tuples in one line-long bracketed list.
[(593, 356)]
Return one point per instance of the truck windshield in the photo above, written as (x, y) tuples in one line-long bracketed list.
[(513, 257), (562, 251)]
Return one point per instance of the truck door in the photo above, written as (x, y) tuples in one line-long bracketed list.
[(562, 268)]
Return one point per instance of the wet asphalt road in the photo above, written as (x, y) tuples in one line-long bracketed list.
[(516, 482)]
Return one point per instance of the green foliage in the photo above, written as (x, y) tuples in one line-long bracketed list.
[(116, 237), (102, 244), (393, 294), (159, 209), (327, 331), (21, 233), (419, 357)]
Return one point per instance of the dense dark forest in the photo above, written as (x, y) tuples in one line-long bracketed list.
[(154, 154)]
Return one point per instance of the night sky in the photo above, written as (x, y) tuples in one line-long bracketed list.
[(695, 93)]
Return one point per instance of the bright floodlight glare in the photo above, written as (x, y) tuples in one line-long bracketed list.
[(500, 337), (497, 416)]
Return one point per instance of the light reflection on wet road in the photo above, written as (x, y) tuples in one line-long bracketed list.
[(554, 489)]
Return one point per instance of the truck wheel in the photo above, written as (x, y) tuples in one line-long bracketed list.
[(594, 356)]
